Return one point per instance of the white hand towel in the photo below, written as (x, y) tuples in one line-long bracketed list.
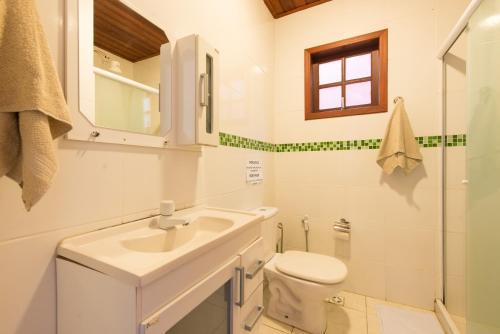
[(399, 147), (33, 111)]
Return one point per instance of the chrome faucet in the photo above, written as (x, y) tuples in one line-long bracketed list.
[(167, 222)]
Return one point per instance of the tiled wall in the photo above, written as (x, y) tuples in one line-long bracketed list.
[(98, 185), (394, 251)]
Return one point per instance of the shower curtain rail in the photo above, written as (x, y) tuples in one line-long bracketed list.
[(126, 81), (459, 27)]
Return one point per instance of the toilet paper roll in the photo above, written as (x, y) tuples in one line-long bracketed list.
[(342, 235)]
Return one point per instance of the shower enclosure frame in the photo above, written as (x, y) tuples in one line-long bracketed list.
[(481, 73), (452, 37)]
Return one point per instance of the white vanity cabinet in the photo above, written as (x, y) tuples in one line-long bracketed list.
[(251, 287), (196, 92), (217, 291)]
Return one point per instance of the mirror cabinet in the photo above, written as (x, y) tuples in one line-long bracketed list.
[(120, 80)]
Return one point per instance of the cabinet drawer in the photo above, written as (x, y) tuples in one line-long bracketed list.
[(251, 313), (252, 262)]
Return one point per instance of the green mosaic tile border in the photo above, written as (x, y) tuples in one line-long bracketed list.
[(227, 139), (456, 140), (337, 145)]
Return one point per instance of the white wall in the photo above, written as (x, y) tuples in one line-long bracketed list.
[(98, 185), (394, 250)]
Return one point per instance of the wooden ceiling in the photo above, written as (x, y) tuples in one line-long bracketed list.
[(123, 32), (281, 8)]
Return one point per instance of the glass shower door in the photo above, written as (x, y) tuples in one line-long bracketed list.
[(483, 171), (454, 187)]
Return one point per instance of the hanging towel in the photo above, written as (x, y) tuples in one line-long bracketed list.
[(33, 111), (399, 147)]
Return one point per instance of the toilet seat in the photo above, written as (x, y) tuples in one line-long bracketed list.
[(312, 267)]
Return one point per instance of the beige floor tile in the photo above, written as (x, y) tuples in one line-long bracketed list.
[(373, 324), (346, 320), (354, 301), (371, 310), (346, 330), (275, 324), (357, 316), (269, 330)]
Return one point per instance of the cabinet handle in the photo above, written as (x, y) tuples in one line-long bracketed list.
[(241, 272), (254, 270), (249, 326), (204, 90)]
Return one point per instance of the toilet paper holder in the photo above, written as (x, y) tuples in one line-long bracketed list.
[(342, 226)]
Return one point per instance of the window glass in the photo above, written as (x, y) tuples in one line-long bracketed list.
[(330, 72), (330, 98), (358, 67), (358, 93)]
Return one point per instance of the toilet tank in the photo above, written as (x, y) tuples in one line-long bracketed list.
[(269, 229)]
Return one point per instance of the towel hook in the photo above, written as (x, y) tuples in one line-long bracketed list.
[(397, 98)]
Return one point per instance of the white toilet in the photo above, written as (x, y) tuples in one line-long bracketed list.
[(299, 282)]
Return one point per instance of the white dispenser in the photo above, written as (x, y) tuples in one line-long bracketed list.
[(342, 229)]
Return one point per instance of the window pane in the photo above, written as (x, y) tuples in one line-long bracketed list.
[(358, 94), (330, 98), (358, 67), (330, 72)]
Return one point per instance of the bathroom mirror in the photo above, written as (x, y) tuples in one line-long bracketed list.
[(123, 64)]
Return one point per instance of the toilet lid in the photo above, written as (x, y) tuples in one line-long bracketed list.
[(312, 267)]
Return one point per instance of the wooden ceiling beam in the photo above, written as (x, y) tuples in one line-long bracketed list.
[(280, 8)]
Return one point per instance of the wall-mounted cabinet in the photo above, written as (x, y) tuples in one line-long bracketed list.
[(196, 92)]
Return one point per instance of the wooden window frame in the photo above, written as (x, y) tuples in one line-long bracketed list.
[(375, 43)]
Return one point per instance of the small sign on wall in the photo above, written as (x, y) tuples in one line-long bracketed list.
[(255, 171)]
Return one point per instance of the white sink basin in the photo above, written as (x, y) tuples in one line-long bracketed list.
[(140, 252), (202, 228)]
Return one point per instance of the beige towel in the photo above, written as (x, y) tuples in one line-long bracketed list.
[(399, 147), (33, 111)]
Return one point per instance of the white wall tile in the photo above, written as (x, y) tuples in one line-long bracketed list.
[(410, 287), (367, 278), (87, 188), (141, 180)]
